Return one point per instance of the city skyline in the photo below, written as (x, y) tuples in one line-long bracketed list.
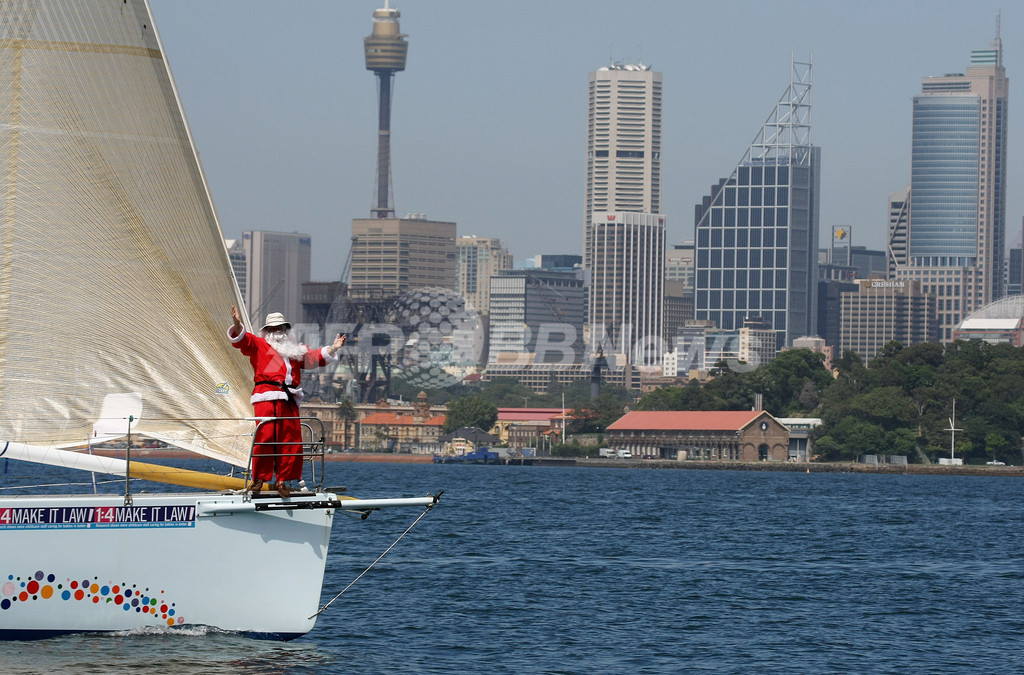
[(486, 130)]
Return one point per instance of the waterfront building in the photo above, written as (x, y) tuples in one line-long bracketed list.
[(757, 231), (276, 266), (746, 436), (400, 427), (477, 259), (393, 255), (956, 241), (529, 427), (883, 310)]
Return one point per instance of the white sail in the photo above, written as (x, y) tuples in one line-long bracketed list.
[(113, 271)]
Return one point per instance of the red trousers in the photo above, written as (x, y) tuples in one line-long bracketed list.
[(282, 438)]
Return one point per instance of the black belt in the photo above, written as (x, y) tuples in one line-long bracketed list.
[(280, 385)]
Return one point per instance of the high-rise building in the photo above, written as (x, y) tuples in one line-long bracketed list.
[(236, 254), (757, 232), (395, 255), (386, 51), (882, 310), (624, 231), (538, 313), (477, 260), (956, 241), (623, 144), (276, 266), (627, 286), (899, 224)]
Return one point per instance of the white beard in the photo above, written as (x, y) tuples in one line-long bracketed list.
[(284, 344)]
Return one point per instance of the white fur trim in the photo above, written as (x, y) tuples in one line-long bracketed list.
[(236, 339), (327, 355), (276, 395)]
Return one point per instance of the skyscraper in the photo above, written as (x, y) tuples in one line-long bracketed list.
[(627, 286), (395, 255), (624, 231), (623, 143), (477, 259), (757, 232), (956, 239), (276, 265)]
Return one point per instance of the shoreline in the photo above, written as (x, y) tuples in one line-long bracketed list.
[(664, 464)]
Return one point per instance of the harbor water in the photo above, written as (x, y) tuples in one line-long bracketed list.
[(526, 569)]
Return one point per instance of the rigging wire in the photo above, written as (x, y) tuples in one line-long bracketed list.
[(370, 566)]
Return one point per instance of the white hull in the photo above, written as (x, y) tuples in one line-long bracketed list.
[(67, 564)]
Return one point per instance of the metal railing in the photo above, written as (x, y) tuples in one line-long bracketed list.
[(312, 451)]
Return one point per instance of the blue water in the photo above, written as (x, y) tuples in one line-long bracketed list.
[(590, 570)]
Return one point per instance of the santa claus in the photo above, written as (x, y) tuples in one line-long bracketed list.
[(277, 361)]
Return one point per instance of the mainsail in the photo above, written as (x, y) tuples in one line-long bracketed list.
[(114, 277)]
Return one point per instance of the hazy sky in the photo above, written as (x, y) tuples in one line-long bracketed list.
[(489, 117)]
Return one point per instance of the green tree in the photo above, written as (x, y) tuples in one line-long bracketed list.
[(470, 411)]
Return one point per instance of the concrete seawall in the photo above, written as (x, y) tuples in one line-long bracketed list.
[(812, 467)]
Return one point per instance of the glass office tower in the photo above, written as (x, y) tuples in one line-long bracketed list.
[(956, 234), (757, 232)]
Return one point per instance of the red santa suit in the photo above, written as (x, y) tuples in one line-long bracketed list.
[(277, 447)]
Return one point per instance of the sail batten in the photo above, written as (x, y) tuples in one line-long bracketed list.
[(114, 276)]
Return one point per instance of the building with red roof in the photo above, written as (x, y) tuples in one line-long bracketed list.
[(412, 428), (744, 435)]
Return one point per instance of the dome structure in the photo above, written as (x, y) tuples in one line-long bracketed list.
[(1000, 321)]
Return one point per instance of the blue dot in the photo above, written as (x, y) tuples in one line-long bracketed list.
[(170, 612), (126, 606), (66, 595), (105, 590)]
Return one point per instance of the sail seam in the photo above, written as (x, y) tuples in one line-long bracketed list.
[(81, 47)]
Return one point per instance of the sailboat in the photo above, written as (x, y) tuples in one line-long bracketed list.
[(115, 291)]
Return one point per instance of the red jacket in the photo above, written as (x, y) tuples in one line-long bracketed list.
[(272, 372)]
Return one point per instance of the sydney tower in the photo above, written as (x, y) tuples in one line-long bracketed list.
[(386, 50)]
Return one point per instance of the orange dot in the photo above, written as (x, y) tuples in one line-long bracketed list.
[(115, 589), (95, 588), (79, 594), (47, 592), (170, 622)]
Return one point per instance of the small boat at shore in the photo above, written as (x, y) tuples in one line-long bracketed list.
[(114, 290)]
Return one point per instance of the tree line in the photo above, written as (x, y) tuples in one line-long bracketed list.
[(898, 404)]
